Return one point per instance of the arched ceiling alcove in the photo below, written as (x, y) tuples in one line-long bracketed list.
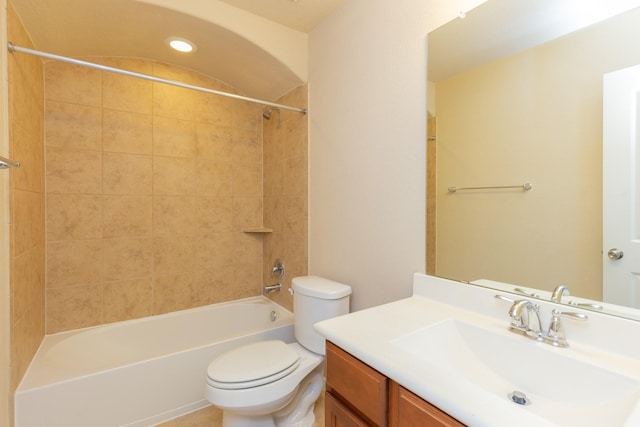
[(258, 57)]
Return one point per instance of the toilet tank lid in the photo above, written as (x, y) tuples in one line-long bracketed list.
[(320, 287)]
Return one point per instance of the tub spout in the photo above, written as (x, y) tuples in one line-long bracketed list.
[(273, 288)]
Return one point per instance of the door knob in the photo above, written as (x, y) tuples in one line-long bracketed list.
[(615, 253)]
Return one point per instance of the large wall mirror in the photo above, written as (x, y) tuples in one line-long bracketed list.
[(516, 97)]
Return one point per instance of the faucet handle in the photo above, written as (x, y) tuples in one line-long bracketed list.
[(503, 298), (555, 335)]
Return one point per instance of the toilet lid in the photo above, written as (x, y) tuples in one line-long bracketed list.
[(252, 365)]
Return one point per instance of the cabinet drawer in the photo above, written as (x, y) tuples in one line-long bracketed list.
[(364, 388), (338, 415), (409, 410)]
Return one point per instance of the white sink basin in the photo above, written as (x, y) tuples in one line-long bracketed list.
[(559, 388)]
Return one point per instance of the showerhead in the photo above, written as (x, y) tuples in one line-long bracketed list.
[(267, 113)]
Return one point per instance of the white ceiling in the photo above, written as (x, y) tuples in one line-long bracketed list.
[(301, 15), (260, 65)]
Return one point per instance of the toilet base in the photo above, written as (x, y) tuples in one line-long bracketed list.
[(298, 413)]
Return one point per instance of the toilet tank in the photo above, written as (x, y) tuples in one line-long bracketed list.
[(316, 299)]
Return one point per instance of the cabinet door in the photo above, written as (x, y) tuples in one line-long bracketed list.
[(337, 415), (409, 410), (363, 388)]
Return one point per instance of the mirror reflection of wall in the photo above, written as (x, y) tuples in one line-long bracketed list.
[(535, 116)]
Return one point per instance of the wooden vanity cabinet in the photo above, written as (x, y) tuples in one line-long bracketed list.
[(409, 410), (359, 396), (353, 388)]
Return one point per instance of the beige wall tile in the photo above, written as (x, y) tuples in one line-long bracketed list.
[(128, 299), (172, 254), (175, 291), (247, 146), (72, 216), (73, 308), (73, 126), (26, 205), (214, 142), (73, 171), (177, 175), (248, 248), (215, 251), (211, 284), (174, 216), (285, 187), (21, 222), (295, 216), (127, 216), (173, 176), (127, 174), (247, 180), (126, 93), (173, 137), (73, 83), (248, 280), (295, 136), (20, 271), (214, 214), (295, 176), (29, 150), (126, 132), (127, 258), (171, 72), (214, 109), (274, 212), (214, 178), (274, 178), (74, 262), (247, 213), (173, 102)]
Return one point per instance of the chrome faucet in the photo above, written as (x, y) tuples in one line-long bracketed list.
[(522, 320), (273, 288), (556, 295)]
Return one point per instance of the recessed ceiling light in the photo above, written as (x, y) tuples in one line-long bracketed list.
[(180, 44)]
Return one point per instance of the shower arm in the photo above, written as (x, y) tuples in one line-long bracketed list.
[(13, 48)]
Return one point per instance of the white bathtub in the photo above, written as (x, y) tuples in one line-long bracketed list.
[(139, 372)]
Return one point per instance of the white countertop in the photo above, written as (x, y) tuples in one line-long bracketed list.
[(369, 335)]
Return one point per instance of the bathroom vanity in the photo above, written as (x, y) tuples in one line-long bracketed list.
[(358, 395), (448, 356)]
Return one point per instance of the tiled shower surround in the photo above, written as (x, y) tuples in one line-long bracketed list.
[(148, 188)]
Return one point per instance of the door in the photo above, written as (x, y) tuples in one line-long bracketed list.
[(621, 187)]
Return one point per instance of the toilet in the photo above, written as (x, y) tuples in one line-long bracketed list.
[(271, 383)]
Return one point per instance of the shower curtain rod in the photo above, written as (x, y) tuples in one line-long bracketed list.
[(13, 48)]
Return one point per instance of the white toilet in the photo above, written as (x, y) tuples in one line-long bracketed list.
[(270, 383)]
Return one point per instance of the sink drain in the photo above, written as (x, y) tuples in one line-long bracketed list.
[(519, 397)]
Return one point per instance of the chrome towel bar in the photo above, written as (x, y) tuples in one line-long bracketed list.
[(526, 186), (6, 163)]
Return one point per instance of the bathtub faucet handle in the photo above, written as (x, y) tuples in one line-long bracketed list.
[(278, 269), (272, 288)]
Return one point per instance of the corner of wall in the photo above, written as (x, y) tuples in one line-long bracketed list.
[(4, 230)]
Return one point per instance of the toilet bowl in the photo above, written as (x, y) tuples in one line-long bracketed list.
[(272, 383)]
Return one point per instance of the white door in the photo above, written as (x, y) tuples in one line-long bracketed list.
[(621, 187)]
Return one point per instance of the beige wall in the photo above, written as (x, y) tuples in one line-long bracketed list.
[(148, 188), (27, 203), (367, 168), (286, 192), (5, 308), (553, 139)]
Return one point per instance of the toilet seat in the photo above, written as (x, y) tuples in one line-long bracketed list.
[(252, 365)]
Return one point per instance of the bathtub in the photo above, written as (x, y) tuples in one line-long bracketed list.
[(139, 372)]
